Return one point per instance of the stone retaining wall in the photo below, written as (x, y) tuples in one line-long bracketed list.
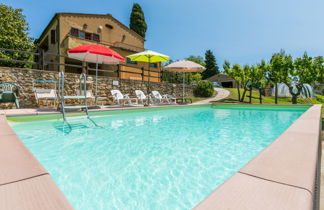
[(24, 80)]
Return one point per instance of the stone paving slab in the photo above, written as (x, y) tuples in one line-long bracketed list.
[(282, 176), (322, 179), (24, 183), (243, 192), (38, 193)]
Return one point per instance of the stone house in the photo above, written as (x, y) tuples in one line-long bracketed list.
[(224, 80), (69, 30)]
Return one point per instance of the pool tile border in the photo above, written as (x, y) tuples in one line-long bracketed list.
[(283, 176), (34, 114)]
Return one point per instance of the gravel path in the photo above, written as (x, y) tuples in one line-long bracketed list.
[(221, 94)]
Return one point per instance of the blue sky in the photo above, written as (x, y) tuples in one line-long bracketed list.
[(241, 31)]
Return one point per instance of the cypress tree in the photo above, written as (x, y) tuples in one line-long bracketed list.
[(137, 20), (211, 65)]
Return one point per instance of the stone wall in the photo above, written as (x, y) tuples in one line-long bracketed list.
[(24, 78)]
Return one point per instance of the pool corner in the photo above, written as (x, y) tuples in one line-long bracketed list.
[(283, 176), (25, 183)]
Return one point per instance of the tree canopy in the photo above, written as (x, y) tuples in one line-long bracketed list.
[(211, 65), (196, 59), (14, 35), (137, 20), (281, 68)]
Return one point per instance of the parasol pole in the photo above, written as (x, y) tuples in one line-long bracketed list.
[(148, 86), (96, 81), (183, 86)]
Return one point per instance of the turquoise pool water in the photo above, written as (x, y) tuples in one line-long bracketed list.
[(164, 159)]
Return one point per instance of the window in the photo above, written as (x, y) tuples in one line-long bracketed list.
[(82, 35), (74, 32), (153, 65), (96, 37), (109, 26), (85, 35), (53, 36), (88, 36), (130, 61), (123, 38)]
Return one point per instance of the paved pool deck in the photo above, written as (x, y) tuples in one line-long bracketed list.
[(285, 175), (282, 176), (24, 183), (44, 111), (221, 94), (322, 178)]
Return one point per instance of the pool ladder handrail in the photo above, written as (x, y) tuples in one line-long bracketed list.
[(62, 97)]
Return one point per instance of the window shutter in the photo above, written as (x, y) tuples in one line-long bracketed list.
[(57, 33), (53, 36)]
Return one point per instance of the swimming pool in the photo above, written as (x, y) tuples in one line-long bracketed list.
[(161, 159)]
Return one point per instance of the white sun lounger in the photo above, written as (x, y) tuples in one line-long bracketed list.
[(141, 96), (119, 98), (158, 98), (45, 94), (91, 96), (172, 99), (88, 93)]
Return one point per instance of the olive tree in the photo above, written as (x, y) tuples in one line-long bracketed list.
[(235, 73), (306, 70), (260, 77), (280, 66)]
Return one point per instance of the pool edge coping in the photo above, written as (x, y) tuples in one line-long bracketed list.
[(235, 194), (129, 109), (60, 198), (25, 184)]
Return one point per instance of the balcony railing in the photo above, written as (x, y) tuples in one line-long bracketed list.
[(115, 44)]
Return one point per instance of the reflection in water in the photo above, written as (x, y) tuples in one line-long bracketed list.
[(156, 118), (177, 157), (140, 121), (220, 114), (116, 123)]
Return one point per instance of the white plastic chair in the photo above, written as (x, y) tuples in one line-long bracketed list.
[(119, 97)]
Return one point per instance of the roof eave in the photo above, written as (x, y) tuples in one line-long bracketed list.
[(48, 25)]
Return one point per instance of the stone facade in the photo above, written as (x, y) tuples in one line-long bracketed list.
[(24, 78), (57, 38), (223, 80)]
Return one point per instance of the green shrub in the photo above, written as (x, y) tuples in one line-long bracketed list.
[(204, 89)]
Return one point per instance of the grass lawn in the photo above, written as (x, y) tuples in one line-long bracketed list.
[(233, 98), (195, 99)]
